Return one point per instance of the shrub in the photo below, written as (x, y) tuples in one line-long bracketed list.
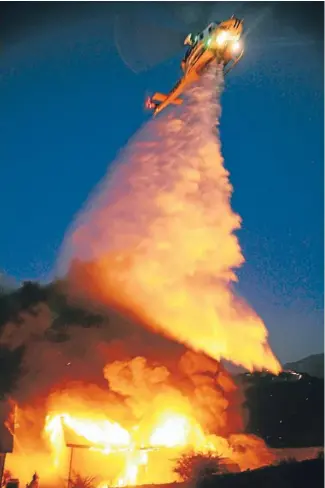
[(195, 466), (78, 481)]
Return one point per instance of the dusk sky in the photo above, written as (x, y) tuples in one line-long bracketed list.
[(69, 104)]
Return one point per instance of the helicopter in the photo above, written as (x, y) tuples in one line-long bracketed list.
[(218, 41)]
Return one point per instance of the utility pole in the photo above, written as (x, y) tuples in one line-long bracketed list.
[(73, 447), (2, 465), (70, 466)]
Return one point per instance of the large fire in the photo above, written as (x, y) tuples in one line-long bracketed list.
[(142, 447), (172, 431), (158, 242)]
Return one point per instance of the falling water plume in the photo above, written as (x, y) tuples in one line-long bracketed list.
[(159, 234)]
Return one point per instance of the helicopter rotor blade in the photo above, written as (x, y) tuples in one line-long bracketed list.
[(142, 44), (195, 16)]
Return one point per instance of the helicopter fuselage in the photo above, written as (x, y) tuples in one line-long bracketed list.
[(219, 42)]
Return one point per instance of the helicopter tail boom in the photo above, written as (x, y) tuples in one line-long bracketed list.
[(160, 97)]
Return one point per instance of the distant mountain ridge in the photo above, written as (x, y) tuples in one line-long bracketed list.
[(312, 365), (7, 283)]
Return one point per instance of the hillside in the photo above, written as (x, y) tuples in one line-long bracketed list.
[(312, 365), (286, 475), (7, 283)]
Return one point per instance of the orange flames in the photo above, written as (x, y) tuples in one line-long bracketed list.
[(173, 431), (137, 436), (151, 446)]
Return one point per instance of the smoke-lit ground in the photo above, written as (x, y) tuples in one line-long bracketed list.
[(157, 241)]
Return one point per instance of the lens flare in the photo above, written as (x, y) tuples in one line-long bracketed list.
[(236, 46), (222, 38)]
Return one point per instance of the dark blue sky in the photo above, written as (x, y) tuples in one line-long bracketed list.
[(69, 104)]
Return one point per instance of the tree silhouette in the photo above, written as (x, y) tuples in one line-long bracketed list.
[(79, 481), (197, 466)]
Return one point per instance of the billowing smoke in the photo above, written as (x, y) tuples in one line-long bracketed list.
[(158, 235), (116, 367)]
